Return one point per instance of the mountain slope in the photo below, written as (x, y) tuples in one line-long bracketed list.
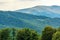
[(48, 11), (23, 20)]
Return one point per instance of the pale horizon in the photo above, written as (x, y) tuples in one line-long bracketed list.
[(21, 4)]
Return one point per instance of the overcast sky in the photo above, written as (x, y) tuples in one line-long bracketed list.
[(20, 4)]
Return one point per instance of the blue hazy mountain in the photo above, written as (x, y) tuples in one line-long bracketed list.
[(24, 20), (19, 20), (49, 11)]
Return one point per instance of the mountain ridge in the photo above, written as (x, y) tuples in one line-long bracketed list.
[(48, 11), (23, 20)]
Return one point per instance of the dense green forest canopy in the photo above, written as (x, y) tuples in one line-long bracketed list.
[(49, 33)]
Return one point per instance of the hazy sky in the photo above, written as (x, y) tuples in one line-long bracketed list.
[(20, 4)]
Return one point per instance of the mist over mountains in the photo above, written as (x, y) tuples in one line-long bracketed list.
[(48, 11), (35, 18)]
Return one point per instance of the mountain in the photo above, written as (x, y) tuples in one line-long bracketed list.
[(19, 20), (23, 20), (49, 11)]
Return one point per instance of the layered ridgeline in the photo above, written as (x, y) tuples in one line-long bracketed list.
[(22, 19), (49, 11)]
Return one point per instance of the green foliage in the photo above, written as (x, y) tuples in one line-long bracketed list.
[(13, 33), (56, 36), (27, 34), (16, 34), (5, 34), (47, 33)]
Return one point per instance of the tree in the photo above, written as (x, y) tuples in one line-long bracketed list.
[(13, 33), (56, 36), (27, 34), (0, 34), (47, 33), (5, 34)]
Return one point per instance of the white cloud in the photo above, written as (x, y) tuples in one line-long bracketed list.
[(28, 0), (18, 4)]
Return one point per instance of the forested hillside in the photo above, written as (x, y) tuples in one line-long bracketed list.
[(22, 20)]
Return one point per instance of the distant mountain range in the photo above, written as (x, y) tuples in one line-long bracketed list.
[(35, 18), (49, 11)]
